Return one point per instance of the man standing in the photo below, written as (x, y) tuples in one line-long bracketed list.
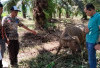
[(2, 42), (92, 33), (10, 24)]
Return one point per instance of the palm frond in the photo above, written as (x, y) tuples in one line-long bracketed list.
[(8, 4)]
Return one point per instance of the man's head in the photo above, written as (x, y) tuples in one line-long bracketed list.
[(89, 9), (1, 8), (14, 11)]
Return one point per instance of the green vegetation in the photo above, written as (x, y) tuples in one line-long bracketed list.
[(61, 12)]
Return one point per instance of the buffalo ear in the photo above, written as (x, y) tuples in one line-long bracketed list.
[(76, 38), (68, 38)]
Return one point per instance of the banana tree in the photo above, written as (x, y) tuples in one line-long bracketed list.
[(66, 4), (81, 7)]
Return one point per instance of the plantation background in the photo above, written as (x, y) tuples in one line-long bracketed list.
[(39, 51)]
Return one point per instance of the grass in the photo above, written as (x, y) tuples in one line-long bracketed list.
[(48, 60)]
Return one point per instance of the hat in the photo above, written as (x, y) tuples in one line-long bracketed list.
[(14, 8)]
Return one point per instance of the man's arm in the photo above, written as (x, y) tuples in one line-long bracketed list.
[(29, 29), (22, 25), (86, 29), (4, 35), (3, 30)]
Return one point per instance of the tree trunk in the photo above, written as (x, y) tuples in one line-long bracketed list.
[(40, 19), (23, 9), (67, 12), (54, 15), (59, 15), (59, 12), (67, 15)]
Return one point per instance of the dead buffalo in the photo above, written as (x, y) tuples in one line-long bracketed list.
[(73, 37)]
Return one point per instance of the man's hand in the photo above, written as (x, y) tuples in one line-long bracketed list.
[(7, 41), (97, 47), (2, 36), (33, 32), (86, 29)]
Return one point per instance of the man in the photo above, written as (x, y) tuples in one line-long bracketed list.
[(10, 24), (92, 33), (2, 43)]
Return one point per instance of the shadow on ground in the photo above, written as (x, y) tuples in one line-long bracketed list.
[(46, 59), (29, 39)]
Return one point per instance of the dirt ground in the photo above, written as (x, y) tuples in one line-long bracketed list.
[(31, 45)]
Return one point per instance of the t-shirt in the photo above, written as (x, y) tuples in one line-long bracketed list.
[(11, 25), (93, 25)]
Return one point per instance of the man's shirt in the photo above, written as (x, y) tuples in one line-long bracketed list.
[(11, 25), (93, 25)]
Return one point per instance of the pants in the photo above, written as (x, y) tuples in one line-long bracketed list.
[(3, 48), (13, 49), (91, 54), (1, 64)]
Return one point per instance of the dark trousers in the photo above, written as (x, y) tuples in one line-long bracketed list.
[(3, 48), (13, 49), (1, 66)]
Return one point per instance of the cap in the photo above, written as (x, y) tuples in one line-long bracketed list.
[(14, 8), (1, 5)]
